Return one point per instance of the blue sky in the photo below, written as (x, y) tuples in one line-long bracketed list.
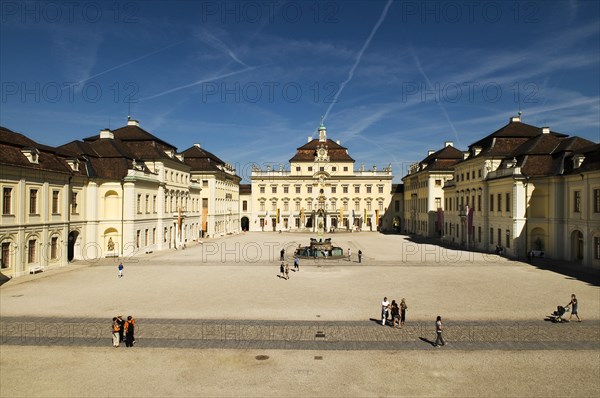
[(250, 80)]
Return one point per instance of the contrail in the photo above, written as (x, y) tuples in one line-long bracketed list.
[(359, 56), (125, 63), (430, 87), (219, 45), (198, 82)]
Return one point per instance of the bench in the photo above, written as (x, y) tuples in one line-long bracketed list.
[(36, 268)]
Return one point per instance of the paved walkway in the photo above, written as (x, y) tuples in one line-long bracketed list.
[(303, 335)]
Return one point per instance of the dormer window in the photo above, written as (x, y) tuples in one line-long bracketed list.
[(577, 161), (32, 154), (73, 164), (170, 153)]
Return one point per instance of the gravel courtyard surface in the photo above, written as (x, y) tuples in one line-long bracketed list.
[(204, 313)]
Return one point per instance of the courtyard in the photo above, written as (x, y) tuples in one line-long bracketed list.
[(206, 313)]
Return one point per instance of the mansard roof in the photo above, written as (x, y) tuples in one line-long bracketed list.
[(200, 159), (308, 152), (507, 138), (52, 159)]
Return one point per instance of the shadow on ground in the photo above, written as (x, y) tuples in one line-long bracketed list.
[(569, 269)]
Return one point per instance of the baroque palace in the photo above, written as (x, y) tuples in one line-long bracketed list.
[(125, 192), (521, 191)]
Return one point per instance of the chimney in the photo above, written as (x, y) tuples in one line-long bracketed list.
[(515, 119), (309, 139), (545, 130), (106, 133), (430, 152), (197, 145), (448, 143), (133, 122)]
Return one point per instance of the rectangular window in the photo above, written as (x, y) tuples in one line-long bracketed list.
[(368, 189), (33, 201), (380, 206), (245, 205), (309, 168), (334, 168), (274, 189), (298, 189), (55, 202), (147, 204), (205, 183), (139, 204), (137, 238), (596, 200), (333, 189), (6, 201), (309, 189), (492, 202), (368, 206), (273, 206), (499, 202), (262, 189), (345, 168), (508, 203), (146, 237), (262, 206), (468, 175), (438, 203), (321, 168), (499, 236), (297, 206), (380, 189), (31, 251), (356, 206), (577, 201), (479, 173), (491, 236), (297, 168), (53, 248), (5, 259), (154, 204), (438, 183), (333, 206), (286, 189), (345, 189), (508, 238), (345, 206), (357, 189), (479, 234), (479, 202), (74, 203), (286, 206), (153, 236)]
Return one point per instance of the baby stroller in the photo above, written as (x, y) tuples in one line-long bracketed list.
[(557, 315)]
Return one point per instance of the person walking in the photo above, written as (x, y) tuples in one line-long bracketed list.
[(129, 331), (296, 263), (403, 308), (120, 267), (121, 323), (282, 255), (349, 254), (573, 305), (385, 306), (115, 332), (287, 271), (395, 314), (282, 270), (359, 255), (438, 331)]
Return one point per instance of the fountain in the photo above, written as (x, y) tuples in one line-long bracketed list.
[(320, 248)]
